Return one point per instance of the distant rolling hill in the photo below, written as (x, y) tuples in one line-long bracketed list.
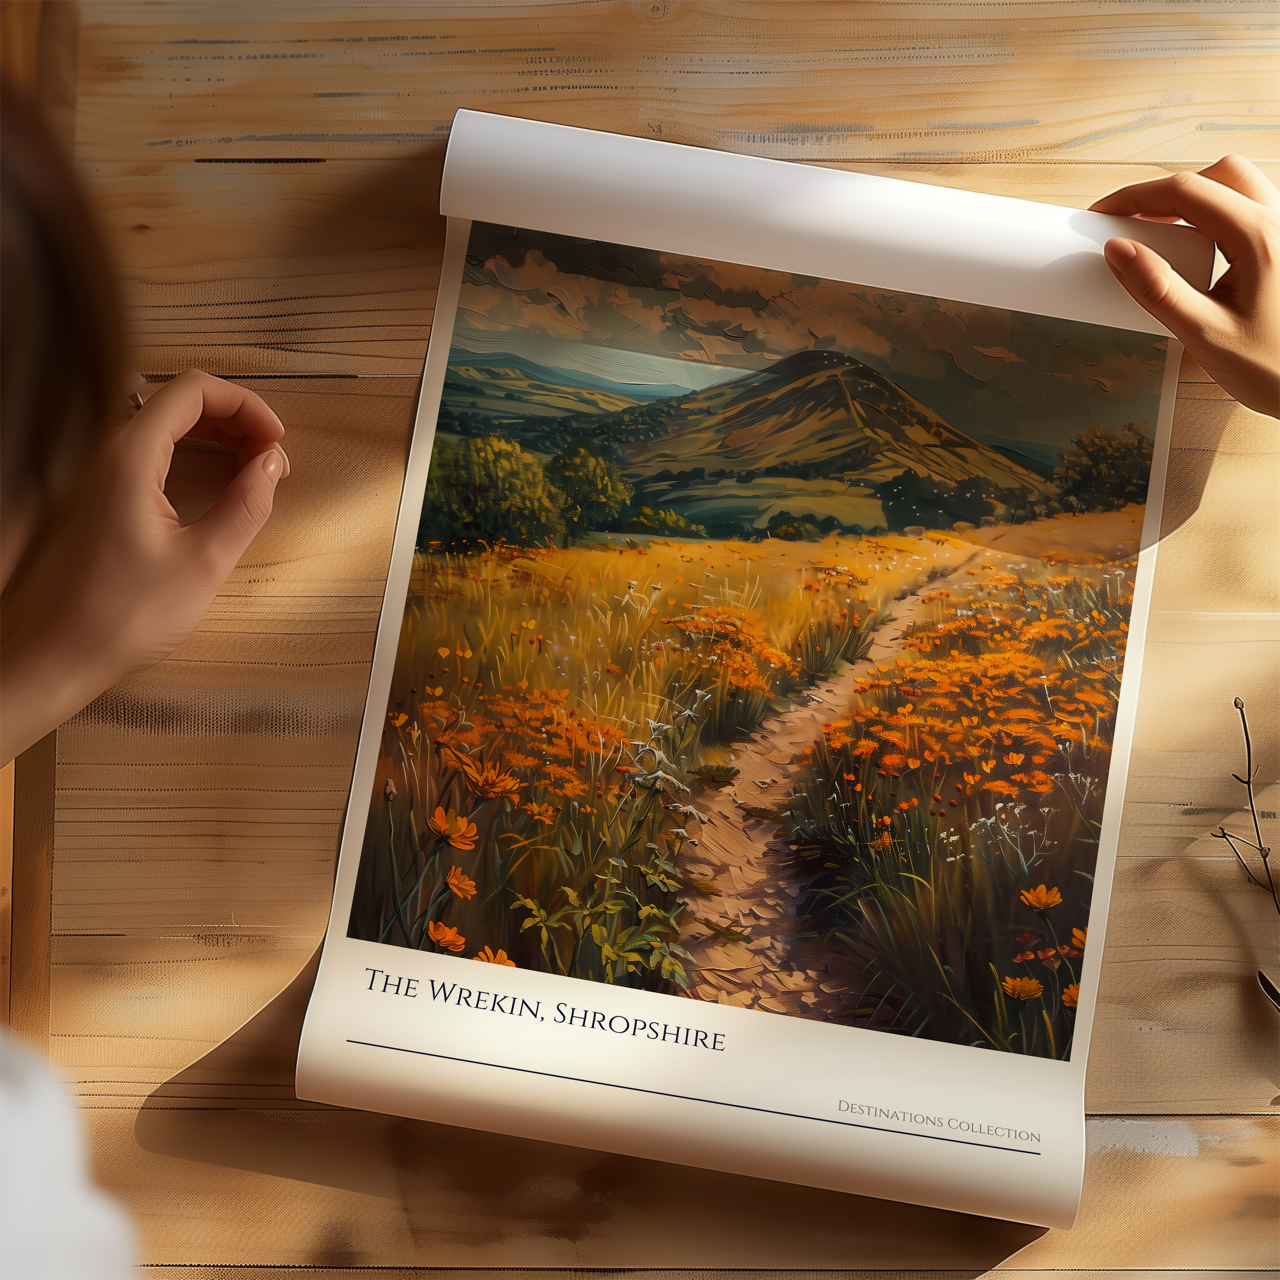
[(508, 387)]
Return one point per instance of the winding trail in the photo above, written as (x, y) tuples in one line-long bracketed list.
[(769, 966)]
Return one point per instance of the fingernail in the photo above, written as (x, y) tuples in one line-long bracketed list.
[(272, 465), (287, 467), (1120, 252)]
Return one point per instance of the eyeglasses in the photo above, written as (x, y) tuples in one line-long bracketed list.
[(1260, 851)]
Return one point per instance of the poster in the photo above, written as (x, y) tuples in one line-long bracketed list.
[(741, 773), (671, 503)]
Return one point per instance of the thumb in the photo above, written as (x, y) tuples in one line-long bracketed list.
[(231, 524), (1156, 287)]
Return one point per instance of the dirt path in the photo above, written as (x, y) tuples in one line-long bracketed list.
[(769, 966)]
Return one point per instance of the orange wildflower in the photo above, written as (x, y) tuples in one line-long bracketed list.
[(494, 957), (1071, 995), (1042, 898), (456, 829), (463, 886), (1014, 758), (1023, 956), (543, 813), (1080, 937), (1022, 988), (445, 936), (490, 783)]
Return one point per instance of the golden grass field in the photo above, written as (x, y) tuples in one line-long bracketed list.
[(554, 716)]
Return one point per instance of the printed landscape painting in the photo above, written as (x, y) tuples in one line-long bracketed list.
[(763, 642)]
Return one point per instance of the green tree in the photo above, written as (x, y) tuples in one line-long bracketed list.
[(489, 489), (593, 487), (665, 523), (1107, 471)]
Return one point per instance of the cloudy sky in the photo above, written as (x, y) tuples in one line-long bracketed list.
[(636, 315)]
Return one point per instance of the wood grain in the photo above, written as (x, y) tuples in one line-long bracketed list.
[(268, 174)]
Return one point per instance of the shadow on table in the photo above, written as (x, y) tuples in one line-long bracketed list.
[(474, 1198)]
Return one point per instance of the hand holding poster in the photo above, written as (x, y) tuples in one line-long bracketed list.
[(760, 639)]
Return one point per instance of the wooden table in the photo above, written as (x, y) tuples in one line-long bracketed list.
[(268, 173)]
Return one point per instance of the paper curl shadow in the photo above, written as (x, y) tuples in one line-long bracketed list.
[(552, 1205)]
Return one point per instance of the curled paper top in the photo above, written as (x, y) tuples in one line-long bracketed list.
[(882, 232)]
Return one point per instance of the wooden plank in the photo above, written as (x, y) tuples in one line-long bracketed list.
[(33, 855), (6, 886), (683, 1273), (353, 1189), (358, 1190), (1076, 81)]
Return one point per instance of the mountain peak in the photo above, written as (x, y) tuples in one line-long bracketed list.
[(804, 363)]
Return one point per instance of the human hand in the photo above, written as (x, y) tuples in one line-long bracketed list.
[(117, 582), (1233, 331)]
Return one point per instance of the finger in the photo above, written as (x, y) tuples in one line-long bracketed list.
[(221, 535), (1245, 177), (242, 447), (195, 399), (199, 405), (1222, 214), (1159, 289)]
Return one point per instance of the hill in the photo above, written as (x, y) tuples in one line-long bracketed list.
[(506, 387), (818, 435), (816, 442)]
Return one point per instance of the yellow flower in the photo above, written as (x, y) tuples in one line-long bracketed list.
[(1079, 937), (444, 653), (445, 936), (1022, 988), (1041, 899), (456, 829), (540, 813), (461, 885), (1072, 993), (491, 957)]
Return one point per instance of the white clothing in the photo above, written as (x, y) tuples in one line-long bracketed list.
[(54, 1223)]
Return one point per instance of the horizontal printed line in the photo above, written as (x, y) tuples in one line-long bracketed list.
[(682, 1097)]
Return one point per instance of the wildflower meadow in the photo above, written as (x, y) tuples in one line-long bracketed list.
[(764, 642)]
